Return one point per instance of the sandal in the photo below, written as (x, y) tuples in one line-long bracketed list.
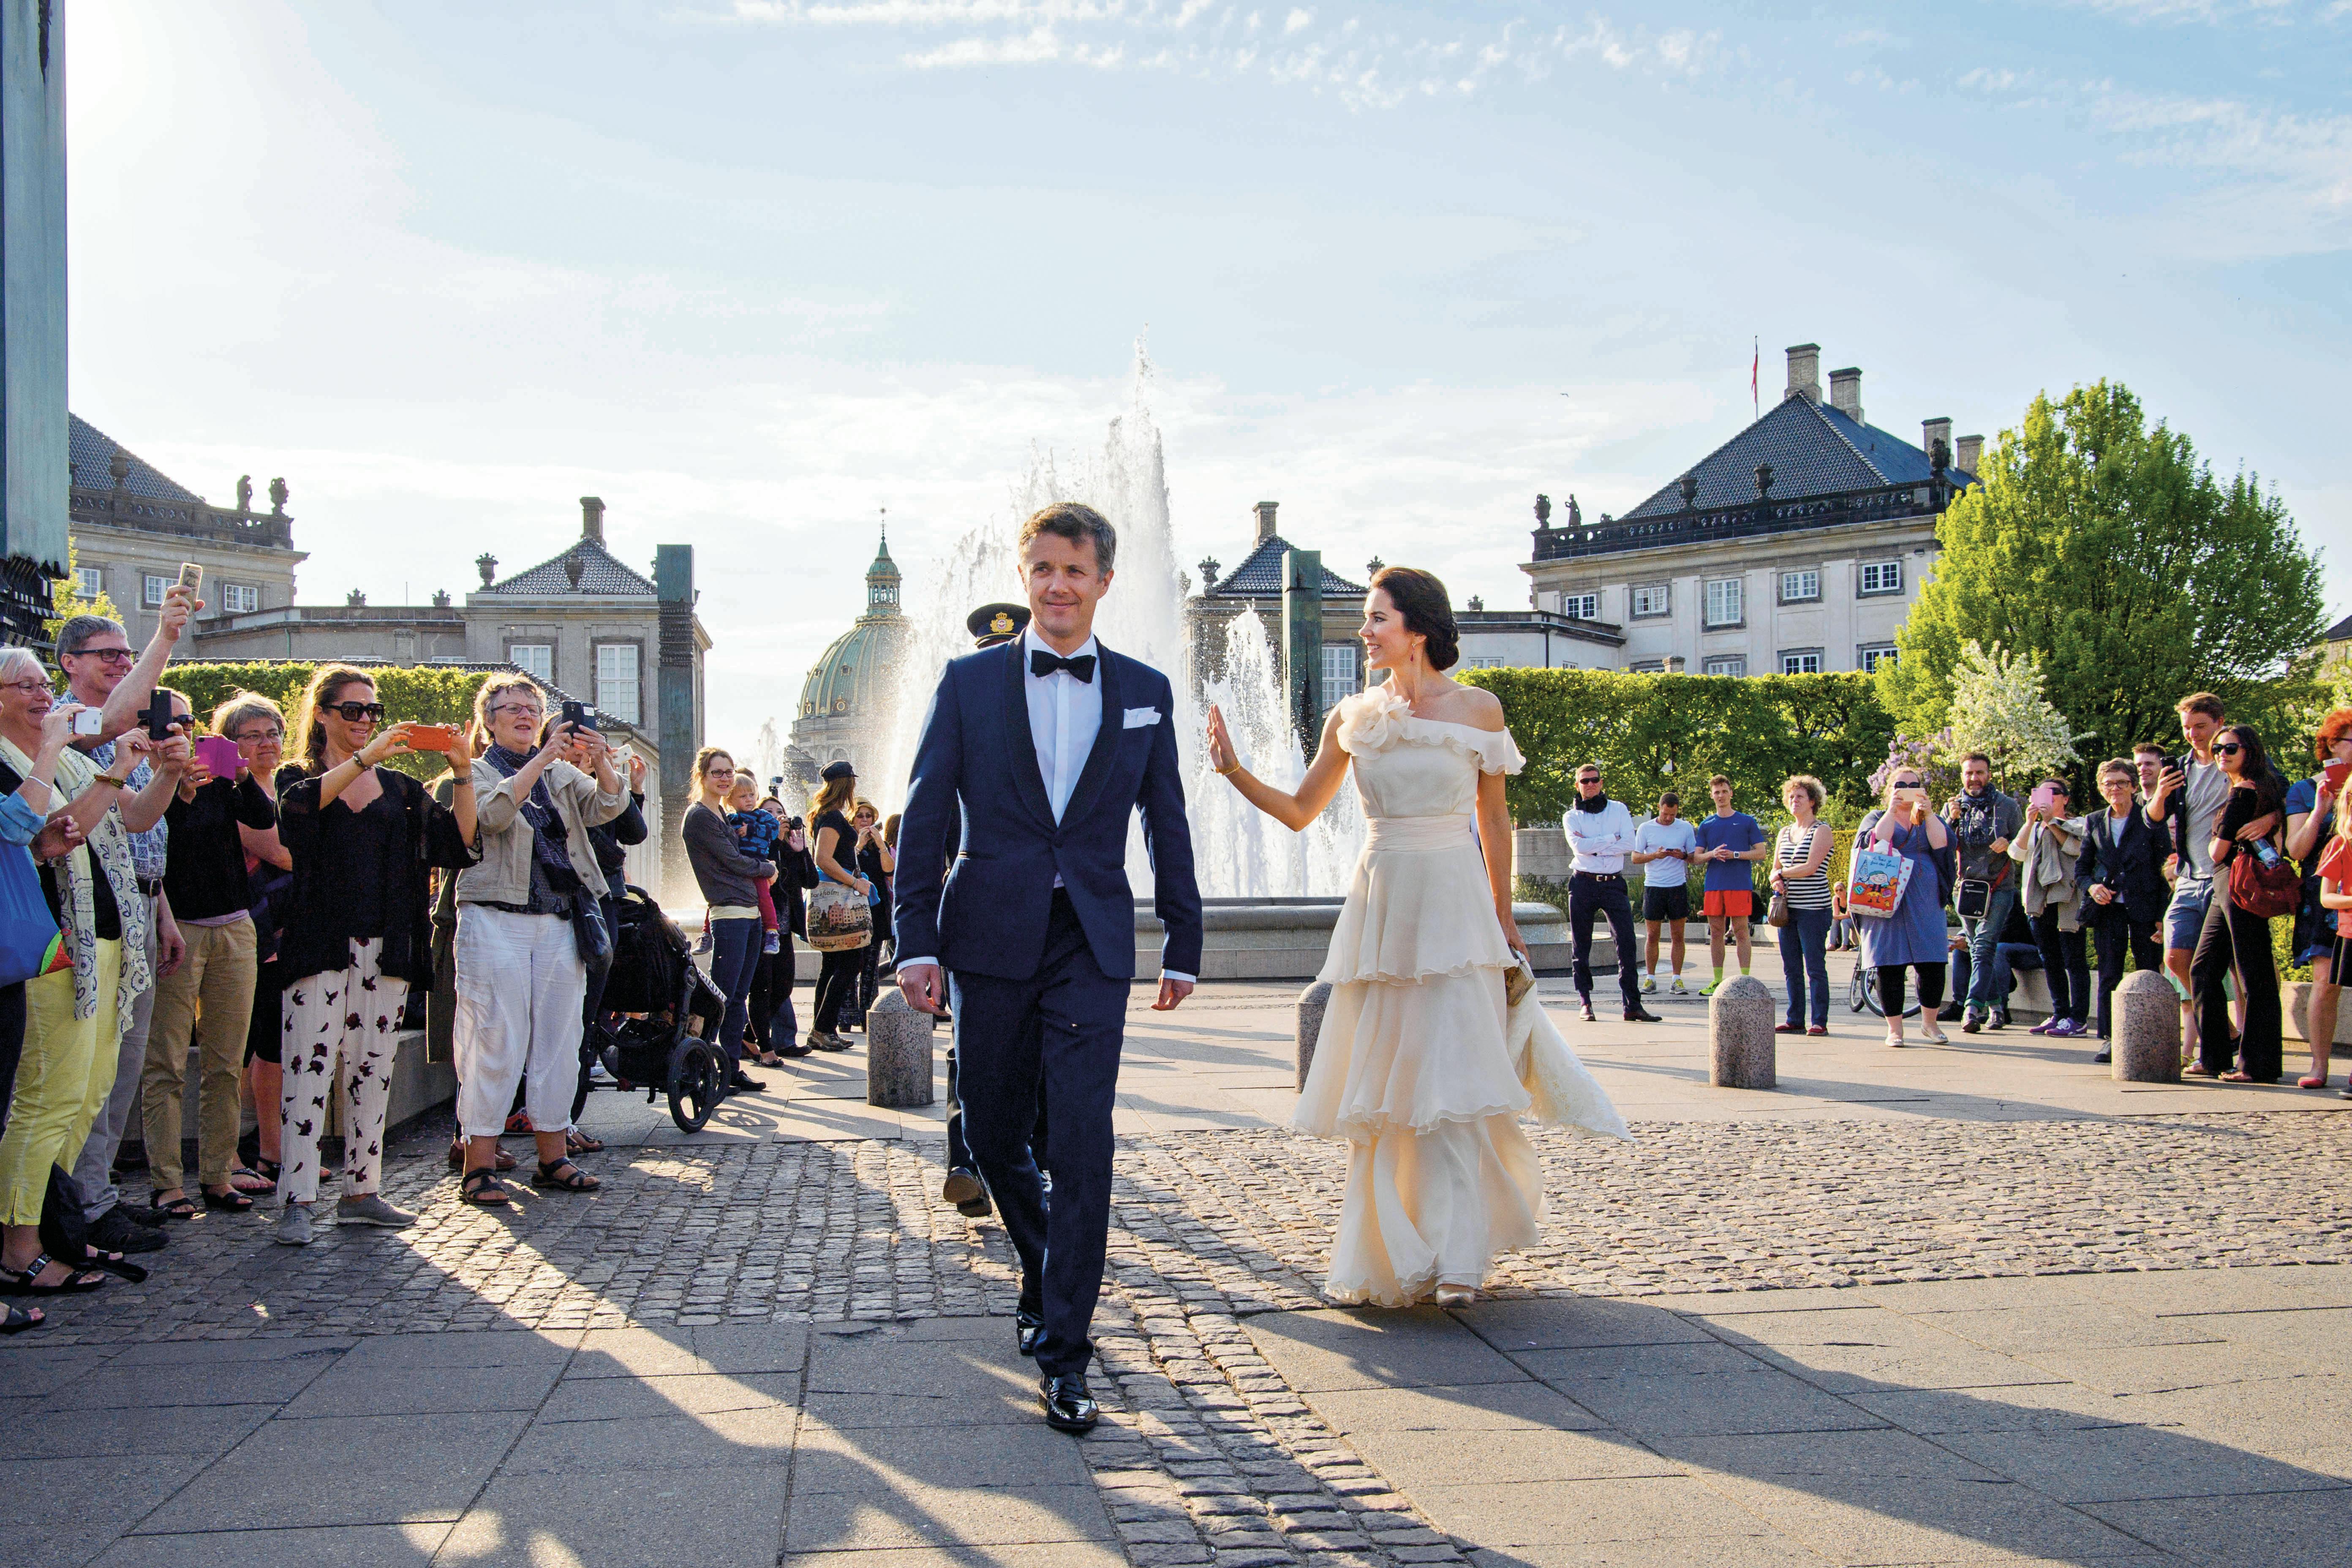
[(16, 1320), (181, 1208), (245, 1174), (21, 1282), (578, 1142), (231, 1200), (481, 1188), (458, 1156), (564, 1177), (114, 1263), (2196, 1069), (268, 1170)]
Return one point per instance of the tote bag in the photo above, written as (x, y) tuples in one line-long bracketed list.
[(30, 945), (1875, 885), (838, 917)]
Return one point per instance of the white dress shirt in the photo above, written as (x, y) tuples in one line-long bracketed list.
[(1601, 838), (1064, 718)]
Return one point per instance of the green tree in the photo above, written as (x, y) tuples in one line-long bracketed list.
[(66, 599), (2108, 551), (1997, 709)]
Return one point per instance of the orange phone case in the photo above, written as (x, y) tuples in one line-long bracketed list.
[(430, 737)]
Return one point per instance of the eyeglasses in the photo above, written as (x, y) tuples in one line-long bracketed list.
[(111, 655), (257, 737), (532, 708), (28, 686), (722, 773), (2229, 748), (354, 712)]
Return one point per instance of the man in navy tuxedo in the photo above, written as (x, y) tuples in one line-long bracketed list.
[(1044, 748)]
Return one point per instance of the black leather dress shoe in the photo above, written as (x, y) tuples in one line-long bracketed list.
[(1069, 1404), (743, 1083), (1640, 1015), (1026, 1327)]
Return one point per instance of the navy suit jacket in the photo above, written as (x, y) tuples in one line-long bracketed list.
[(2135, 870), (977, 761)]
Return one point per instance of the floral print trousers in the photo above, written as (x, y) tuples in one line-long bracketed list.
[(348, 1018)]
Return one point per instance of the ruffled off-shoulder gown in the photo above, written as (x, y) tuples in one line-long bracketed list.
[(1420, 1066)]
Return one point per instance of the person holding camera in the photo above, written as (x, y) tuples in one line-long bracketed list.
[(1982, 821), (2235, 942), (75, 1018), (355, 930), (1913, 936), (204, 879), (257, 725), (729, 876), (836, 862), (527, 918)]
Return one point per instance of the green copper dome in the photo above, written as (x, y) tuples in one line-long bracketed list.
[(859, 673)]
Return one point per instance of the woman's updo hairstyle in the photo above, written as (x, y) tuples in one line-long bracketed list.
[(1420, 599)]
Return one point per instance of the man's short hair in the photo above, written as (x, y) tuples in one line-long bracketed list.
[(81, 630), (2113, 766), (1719, 779), (1977, 757), (2203, 702), (1593, 768), (1669, 798), (1078, 523), (2158, 747)]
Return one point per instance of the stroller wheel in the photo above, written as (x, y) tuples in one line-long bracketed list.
[(698, 1081)]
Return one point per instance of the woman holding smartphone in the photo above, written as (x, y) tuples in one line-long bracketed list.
[(1914, 934), (356, 932), (2233, 941)]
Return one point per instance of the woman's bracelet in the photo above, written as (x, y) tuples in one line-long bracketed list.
[(1228, 772)]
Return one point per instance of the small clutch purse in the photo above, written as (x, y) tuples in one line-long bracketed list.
[(1518, 980)]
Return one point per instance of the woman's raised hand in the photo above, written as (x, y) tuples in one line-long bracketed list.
[(1222, 756), (460, 749)]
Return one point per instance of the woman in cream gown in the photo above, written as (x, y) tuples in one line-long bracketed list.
[(1421, 1065)]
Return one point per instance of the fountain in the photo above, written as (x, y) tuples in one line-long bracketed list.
[(1271, 895)]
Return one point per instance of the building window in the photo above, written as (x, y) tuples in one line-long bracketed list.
[(89, 582), (1733, 666), (1341, 663), (1724, 605), (1646, 667), (153, 586), (1870, 656), (1801, 661), (535, 658), (616, 681), (1801, 587), (239, 598), (1580, 607), (1654, 599), (1488, 661), (1881, 576)]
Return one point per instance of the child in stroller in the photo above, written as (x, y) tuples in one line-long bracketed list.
[(661, 1016)]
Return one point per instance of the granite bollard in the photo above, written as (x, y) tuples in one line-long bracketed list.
[(1311, 1003), (1739, 1031), (2147, 1047), (898, 1053)]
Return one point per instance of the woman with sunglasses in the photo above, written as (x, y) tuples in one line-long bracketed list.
[(1913, 935), (356, 932), (522, 978), (2231, 941), (729, 876)]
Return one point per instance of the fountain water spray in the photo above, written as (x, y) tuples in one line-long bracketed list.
[(1238, 851)]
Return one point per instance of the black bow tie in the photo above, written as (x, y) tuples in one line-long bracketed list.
[(1043, 663)]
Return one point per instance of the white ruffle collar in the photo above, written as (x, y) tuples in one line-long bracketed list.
[(1373, 720)]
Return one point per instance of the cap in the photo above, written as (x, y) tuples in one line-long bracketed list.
[(837, 771), (993, 624)]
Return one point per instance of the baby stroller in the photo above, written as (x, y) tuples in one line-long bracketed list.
[(660, 993)]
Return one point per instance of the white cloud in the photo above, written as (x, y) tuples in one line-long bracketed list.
[(1297, 21)]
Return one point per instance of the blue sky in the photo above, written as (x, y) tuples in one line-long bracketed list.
[(751, 269)]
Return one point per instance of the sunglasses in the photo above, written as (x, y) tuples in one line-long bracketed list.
[(1594, 780), (354, 712), (2229, 748)]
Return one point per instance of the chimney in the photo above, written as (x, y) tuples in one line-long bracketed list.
[(1932, 431), (1846, 392), (1266, 519), (1966, 452), (591, 518), (1805, 372)]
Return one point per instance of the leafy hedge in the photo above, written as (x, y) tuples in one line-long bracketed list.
[(1655, 733), (429, 695)]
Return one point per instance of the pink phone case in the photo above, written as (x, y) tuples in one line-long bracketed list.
[(218, 753)]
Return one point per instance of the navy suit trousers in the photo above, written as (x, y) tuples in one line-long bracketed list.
[(1055, 1034)]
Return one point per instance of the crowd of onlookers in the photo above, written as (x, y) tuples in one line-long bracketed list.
[(2179, 867)]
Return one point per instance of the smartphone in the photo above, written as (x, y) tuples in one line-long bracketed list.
[(192, 577), (430, 737), (219, 754), (89, 722), (2336, 773), (2045, 799), (579, 715), (160, 719)]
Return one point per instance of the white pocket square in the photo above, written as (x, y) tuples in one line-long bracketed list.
[(1136, 717)]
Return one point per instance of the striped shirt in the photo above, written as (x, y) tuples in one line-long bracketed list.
[(1803, 892)]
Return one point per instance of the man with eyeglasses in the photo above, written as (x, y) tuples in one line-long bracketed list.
[(101, 672), (1600, 830)]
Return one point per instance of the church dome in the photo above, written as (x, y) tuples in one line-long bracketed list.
[(857, 675)]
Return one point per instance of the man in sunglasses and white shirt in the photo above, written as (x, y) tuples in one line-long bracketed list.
[(101, 672)]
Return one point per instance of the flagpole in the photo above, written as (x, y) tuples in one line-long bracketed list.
[(1755, 368)]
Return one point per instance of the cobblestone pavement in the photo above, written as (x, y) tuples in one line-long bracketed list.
[(1207, 1457)]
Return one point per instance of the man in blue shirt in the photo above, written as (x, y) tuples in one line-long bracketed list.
[(1729, 842)]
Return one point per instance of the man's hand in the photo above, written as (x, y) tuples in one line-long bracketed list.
[(1998, 847), (924, 988), (170, 756), (58, 834), (179, 604), (171, 947), (2102, 893), (2168, 781), (1171, 992)]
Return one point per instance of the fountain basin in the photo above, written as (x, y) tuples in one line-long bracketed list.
[(1287, 938)]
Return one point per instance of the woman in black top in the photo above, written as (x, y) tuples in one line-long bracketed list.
[(836, 861), (357, 929), (876, 861), (2232, 940)]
